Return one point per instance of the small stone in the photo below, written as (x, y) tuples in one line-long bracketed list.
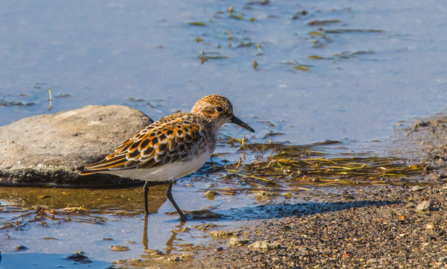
[(424, 206), (205, 227), (302, 251), (49, 238), (411, 205), (174, 259), (187, 256), (210, 195), (184, 229), (154, 252), (21, 248), (224, 234), (263, 195), (218, 249), (119, 248), (265, 245), (417, 188), (185, 245), (79, 257), (236, 242), (429, 226)]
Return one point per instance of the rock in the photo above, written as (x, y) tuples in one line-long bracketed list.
[(429, 226), (119, 248), (211, 195), (265, 245), (20, 248), (424, 206), (187, 256), (174, 259), (205, 227), (37, 146), (79, 257), (236, 242), (49, 238), (302, 251), (417, 188), (153, 252), (263, 195), (224, 234), (182, 230)]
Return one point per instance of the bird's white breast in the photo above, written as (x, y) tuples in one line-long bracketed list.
[(166, 172)]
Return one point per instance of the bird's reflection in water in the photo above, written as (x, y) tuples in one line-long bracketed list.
[(169, 243)]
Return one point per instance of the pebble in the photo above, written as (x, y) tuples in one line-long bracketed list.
[(20, 248), (265, 245), (174, 259), (187, 256), (224, 234), (302, 251), (424, 206), (119, 248), (417, 188), (236, 242)]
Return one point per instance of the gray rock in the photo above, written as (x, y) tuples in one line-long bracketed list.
[(424, 206), (65, 140), (265, 245)]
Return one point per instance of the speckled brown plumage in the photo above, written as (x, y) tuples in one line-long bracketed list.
[(171, 147), (176, 138)]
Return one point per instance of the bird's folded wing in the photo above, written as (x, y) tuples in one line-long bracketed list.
[(157, 144)]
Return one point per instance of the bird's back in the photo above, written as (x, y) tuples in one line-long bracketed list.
[(167, 149)]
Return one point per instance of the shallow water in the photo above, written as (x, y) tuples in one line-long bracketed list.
[(107, 53)]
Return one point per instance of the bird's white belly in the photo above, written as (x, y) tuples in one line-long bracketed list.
[(166, 172)]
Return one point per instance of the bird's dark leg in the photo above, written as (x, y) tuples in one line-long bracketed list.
[(169, 195), (145, 239), (146, 193)]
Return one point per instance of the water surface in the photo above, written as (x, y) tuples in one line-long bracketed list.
[(372, 64)]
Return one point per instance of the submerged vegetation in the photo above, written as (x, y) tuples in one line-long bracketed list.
[(287, 168), (266, 170), (230, 29)]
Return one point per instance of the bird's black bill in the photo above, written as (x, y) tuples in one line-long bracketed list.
[(237, 121)]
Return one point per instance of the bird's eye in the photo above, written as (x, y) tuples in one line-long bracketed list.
[(219, 109)]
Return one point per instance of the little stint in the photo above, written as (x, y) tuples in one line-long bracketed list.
[(171, 147)]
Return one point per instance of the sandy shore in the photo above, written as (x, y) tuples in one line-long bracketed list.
[(394, 226)]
